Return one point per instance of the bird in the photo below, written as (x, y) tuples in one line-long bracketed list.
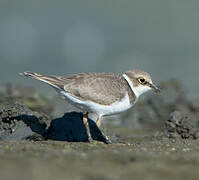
[(100, 93)]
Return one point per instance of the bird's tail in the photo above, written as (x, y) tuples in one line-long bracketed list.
[(54, 81)]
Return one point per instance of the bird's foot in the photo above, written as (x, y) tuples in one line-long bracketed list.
[(107, 140), (104, 138)]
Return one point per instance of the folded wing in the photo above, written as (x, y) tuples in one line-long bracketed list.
[(102, 88)]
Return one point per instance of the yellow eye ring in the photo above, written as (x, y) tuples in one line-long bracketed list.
[(142, 80)]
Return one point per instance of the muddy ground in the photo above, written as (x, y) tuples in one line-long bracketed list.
[(142, 156), (157, 139)]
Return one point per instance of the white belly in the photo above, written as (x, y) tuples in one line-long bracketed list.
[(99, 109)]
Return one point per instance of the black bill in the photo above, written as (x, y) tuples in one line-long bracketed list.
[(153, 87)]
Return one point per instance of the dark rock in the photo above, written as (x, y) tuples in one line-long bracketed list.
[(180, 125), (17, 122)]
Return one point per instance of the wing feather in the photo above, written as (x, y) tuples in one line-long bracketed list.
[(103, 88)]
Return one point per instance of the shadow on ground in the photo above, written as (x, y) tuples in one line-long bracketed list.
[(17, 122), (70, 127)]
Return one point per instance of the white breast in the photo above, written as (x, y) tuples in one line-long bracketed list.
[(99, 109)]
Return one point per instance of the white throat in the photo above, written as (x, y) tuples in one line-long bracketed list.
[(138, 90)]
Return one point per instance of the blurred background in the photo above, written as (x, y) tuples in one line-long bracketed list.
[(69, 36)]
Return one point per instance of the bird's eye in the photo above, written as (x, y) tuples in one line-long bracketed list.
[(142, 81)]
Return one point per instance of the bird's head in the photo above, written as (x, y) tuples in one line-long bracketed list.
[(140, 82)]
